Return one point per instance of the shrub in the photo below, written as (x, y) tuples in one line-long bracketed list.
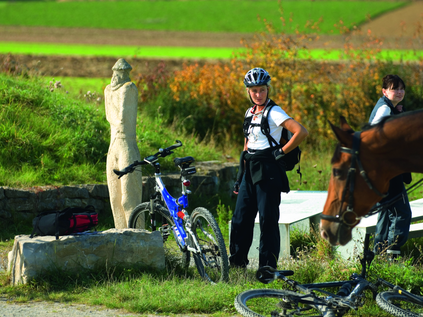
[(211, 98)]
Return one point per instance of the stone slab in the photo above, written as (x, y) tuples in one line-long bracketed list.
[(114, 247)]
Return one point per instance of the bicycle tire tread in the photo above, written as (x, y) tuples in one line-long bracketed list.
[(200, 211), (384, 301), (241, 299)]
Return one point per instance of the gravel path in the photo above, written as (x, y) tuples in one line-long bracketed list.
[(47, 309)]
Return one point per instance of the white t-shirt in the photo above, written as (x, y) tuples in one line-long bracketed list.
[(383, 111), (256, 139)]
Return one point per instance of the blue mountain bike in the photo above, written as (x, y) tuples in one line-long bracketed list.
[(183, 233)]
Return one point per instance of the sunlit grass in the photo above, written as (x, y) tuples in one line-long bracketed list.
[(191, 15), (114, 51), (186, 52)]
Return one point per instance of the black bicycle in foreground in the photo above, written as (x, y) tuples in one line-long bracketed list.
[(316, 299)]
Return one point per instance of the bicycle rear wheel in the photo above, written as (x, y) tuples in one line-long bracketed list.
[(212, 263), (272, 302), (399, 305), (141, 219)]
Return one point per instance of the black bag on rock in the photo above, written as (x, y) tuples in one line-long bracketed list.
[(64, 222)]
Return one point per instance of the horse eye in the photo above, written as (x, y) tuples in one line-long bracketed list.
[(336, 172), (339, 173)]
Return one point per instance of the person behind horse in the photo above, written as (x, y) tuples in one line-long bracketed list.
[(264, 178), (393, 223)]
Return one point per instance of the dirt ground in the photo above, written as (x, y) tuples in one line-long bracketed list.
[(398, 30)]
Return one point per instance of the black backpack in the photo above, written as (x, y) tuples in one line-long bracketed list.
[(64, 222), (292, 158)]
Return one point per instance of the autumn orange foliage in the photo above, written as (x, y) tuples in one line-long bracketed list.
[(211, 98)]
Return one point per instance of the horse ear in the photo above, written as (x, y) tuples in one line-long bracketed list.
[(344, 137), (344, 125)]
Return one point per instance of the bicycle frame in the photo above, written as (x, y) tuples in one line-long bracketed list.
[(176, 207), (338, 301), (197, 233)]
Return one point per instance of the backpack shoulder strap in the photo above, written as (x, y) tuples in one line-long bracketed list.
[(265, 128), (247, 123)]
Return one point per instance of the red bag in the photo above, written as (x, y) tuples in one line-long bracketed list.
[(80, 222), (64, 222)]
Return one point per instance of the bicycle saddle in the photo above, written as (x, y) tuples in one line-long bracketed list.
[(183, 162)]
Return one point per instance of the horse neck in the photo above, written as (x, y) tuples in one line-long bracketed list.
[(397, 146)]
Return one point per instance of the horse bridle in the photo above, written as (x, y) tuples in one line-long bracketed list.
[(350, 184)]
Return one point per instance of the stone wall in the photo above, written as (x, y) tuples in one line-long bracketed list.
[(24, 204)]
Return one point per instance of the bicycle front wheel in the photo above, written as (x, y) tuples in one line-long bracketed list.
[(399, 305), (272, 302), (141, 219), (212, 263)]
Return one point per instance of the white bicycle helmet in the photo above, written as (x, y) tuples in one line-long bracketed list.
[(256, 77)]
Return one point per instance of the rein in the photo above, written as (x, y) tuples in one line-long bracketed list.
[(342, 216), (392, 201)]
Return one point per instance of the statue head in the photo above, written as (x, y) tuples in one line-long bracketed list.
[(120, 73)]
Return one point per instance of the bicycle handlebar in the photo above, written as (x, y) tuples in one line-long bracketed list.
[(149, 159), (174, 146)]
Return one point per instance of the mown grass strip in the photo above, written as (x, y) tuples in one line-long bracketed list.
[(383, 55), (191, 15), (184, 52), (115, 51)]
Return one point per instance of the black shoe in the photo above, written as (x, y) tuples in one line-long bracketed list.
[(235, 266)]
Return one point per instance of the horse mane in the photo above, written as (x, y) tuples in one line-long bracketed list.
[(382, 122), (337, 154)]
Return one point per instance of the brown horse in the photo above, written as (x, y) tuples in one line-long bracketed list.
[(363, 164)]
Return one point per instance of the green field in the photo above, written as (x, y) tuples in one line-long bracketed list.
[(178, 52), (114, 51), (210, 16)]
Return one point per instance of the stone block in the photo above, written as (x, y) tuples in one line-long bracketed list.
[(47, 205), (1, 193), (204, 185), (16, 193), (47, 193), (5, 214), (22, 204), (113, 247), (96, 203), (72, 202), (74, 192), (97, 190)]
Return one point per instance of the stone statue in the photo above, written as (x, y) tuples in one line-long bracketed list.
[(121, 101)]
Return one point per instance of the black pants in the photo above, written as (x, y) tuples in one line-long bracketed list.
[(264, 197)]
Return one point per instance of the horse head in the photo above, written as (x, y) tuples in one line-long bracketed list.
[(351, 192)]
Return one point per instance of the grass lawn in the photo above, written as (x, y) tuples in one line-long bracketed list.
[(114, 50), (191, 15), (179, 52)]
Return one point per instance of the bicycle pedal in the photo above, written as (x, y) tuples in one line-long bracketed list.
[(166, 228)]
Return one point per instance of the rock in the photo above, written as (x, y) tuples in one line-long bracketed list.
[(74, 192), (113, 247)]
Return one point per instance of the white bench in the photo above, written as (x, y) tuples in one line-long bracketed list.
[(301, 209), (368, 225), (298, 209)]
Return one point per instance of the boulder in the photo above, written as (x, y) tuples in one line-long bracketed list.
[(113, 247)]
